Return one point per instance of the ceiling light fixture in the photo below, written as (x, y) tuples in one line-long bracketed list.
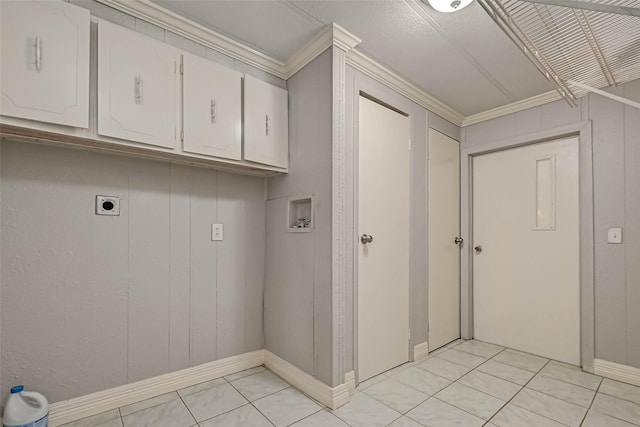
[(447, 6)]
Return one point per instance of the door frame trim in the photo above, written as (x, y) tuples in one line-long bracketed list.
[(583, 131)]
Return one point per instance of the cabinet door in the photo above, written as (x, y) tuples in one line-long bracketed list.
[(45, 62), (266, 123), (137, 83), (212, 109)]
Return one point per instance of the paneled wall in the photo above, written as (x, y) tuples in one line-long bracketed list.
[(616, 187), (91, 302), (298, 313)]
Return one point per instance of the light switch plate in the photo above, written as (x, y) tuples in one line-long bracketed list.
[(217, 232), (614, 235)]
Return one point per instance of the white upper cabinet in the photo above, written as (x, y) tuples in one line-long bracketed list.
[(137, 87), (266, 124), (212, 109), (45, 62)]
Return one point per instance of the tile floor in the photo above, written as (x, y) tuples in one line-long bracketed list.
[(468, 383)]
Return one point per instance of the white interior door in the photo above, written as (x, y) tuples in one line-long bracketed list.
[(383, 269), (526, 266), (443, 230)]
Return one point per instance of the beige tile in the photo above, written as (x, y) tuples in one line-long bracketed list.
[(479, 348), (422, 381), (620, 390), (506, 372), (170, 414), (461, 358), (244, 416), (435, 412), (259, 385), (364, 411), (490, 385), (596, 419), (213, 401), (617, 408), (149, 403), (521, 360), (571, 374), (396, 395), (105, 419), (562, 390), (550, 407), (286, 407), (472, 401), (444, 368), (514, 416)]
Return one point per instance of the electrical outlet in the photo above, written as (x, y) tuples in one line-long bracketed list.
[(108, 205), (217, 232)]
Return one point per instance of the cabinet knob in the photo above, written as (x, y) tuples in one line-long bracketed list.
[(266, 125)]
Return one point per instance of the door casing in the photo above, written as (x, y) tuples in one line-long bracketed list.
[(587, 280)]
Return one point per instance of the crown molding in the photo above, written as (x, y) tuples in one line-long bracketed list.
[(332, 35), (380, 73), (168, 20), (514, 107)]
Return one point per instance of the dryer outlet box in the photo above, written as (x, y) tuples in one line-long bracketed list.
[(108, 205)]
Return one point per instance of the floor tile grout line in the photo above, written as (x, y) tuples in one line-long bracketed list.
[(591, 404), (306, 416), (187, 406), (519, 391)]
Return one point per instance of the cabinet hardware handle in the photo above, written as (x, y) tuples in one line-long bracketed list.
[(138, 94), (38, 53), (266, 125), (458, 240), (214, 111)]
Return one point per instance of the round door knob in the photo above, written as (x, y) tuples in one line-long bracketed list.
[(458, 240), (478, 249), (366, 238)]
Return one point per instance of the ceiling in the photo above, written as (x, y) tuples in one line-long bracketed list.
[(463, 58)]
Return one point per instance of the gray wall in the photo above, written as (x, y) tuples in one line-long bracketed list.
[(92, 302), (298, 314), (616, 187), (420, 119)]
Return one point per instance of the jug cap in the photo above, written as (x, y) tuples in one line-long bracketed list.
[(17, 389)]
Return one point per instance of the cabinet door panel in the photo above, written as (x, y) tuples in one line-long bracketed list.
[(45, 62), (136, 87), (212, 109), (266, 124)]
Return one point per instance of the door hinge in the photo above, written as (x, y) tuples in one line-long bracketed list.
[(181, 68), (409, 334), (182, 135), (409, 144)]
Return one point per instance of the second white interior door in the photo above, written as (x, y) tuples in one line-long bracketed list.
[(444, 227), (526, 266), (383, 262)]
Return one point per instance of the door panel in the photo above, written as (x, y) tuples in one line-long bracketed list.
[(45, 62), (266, 123), (526, 276), (444, 226), (383, 269), (137, 87), (212, 110)]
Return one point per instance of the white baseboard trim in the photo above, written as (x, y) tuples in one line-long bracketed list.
[(616, 371), (332, 397), (95, 403), (350, 381), (421, 351)]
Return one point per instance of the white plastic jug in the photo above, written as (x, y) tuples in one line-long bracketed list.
[(25, 409)]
